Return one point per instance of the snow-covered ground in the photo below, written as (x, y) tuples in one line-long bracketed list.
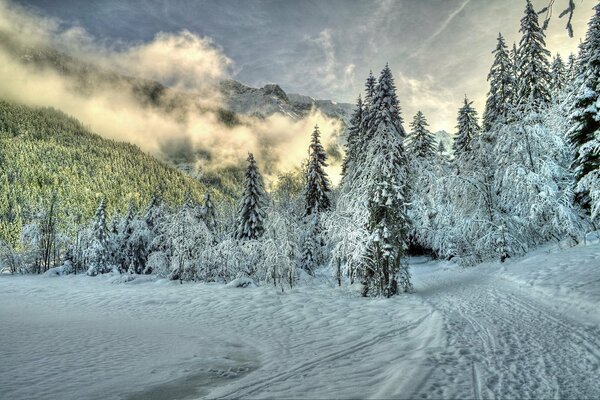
[(524, 329)]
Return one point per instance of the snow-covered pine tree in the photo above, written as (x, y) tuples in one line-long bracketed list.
[(98, 250), (441, 149), (558, 75), (584, 134), (501, 79), (154, 212), (421, 141), (363, 139), (251, 213), (311, 244), (384, 272), (533, 65), (317, 182), (317, 200), (353, 138), (467, 128), (208, 213), (124, 233), (514, 58), (571, 69)]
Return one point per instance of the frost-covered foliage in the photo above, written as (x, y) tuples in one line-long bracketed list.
[(98, 249), (512, 191), (133, 242), (584, 133), (181, 238)]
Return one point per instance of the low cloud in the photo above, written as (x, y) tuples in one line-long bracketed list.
[(182, 61)]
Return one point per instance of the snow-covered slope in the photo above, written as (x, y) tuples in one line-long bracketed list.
[(524, 329), (271, 99)]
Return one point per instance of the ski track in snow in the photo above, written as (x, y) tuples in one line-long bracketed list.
[(489, 332)]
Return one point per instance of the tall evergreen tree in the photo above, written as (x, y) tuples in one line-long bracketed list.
[(467, 128), (251, 213), (353, 138), (422, 141), (571, 68), (499, 100), (558, 75), (317, 182), (367, 117), (385, 272), (209, 216), (584, 135), (534, 68), (98, 250)]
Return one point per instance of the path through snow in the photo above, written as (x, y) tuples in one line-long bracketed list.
[(485, 332)]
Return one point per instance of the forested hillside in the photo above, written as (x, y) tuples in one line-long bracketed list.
[(44, 152)]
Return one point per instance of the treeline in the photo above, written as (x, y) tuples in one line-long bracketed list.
[(49, 160)]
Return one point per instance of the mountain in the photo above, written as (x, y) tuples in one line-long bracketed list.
[(271, 99), (45, 152)]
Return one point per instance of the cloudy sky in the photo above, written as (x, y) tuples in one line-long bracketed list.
[(439, 50)]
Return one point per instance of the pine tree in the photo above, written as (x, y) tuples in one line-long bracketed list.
[(251, 213), (584, 135), (533, 65), (317, 182), (499, 100), (422, 141), (441, 149), (467, 128), (384, 272), (353, 138), (558, 75), (208, 213), (368, 109), (311, 244), (154, 211), (571, 69), (98, 251)]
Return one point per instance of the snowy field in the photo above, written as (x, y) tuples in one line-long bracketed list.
[(528, 328)]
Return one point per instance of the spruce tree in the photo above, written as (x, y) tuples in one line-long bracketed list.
[(208, 213), (317, 201), (317, 182), (311, 244), (385, 272), (499, 100), (533, 65), (467, 128), (154, 212), (251, 213), (422, 141), (353, 138), (571, 69), (99, 251), (584, 135), (441, 149), (558, 75), (368, 109)]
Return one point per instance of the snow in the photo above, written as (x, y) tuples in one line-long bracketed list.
[(521, 329)]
